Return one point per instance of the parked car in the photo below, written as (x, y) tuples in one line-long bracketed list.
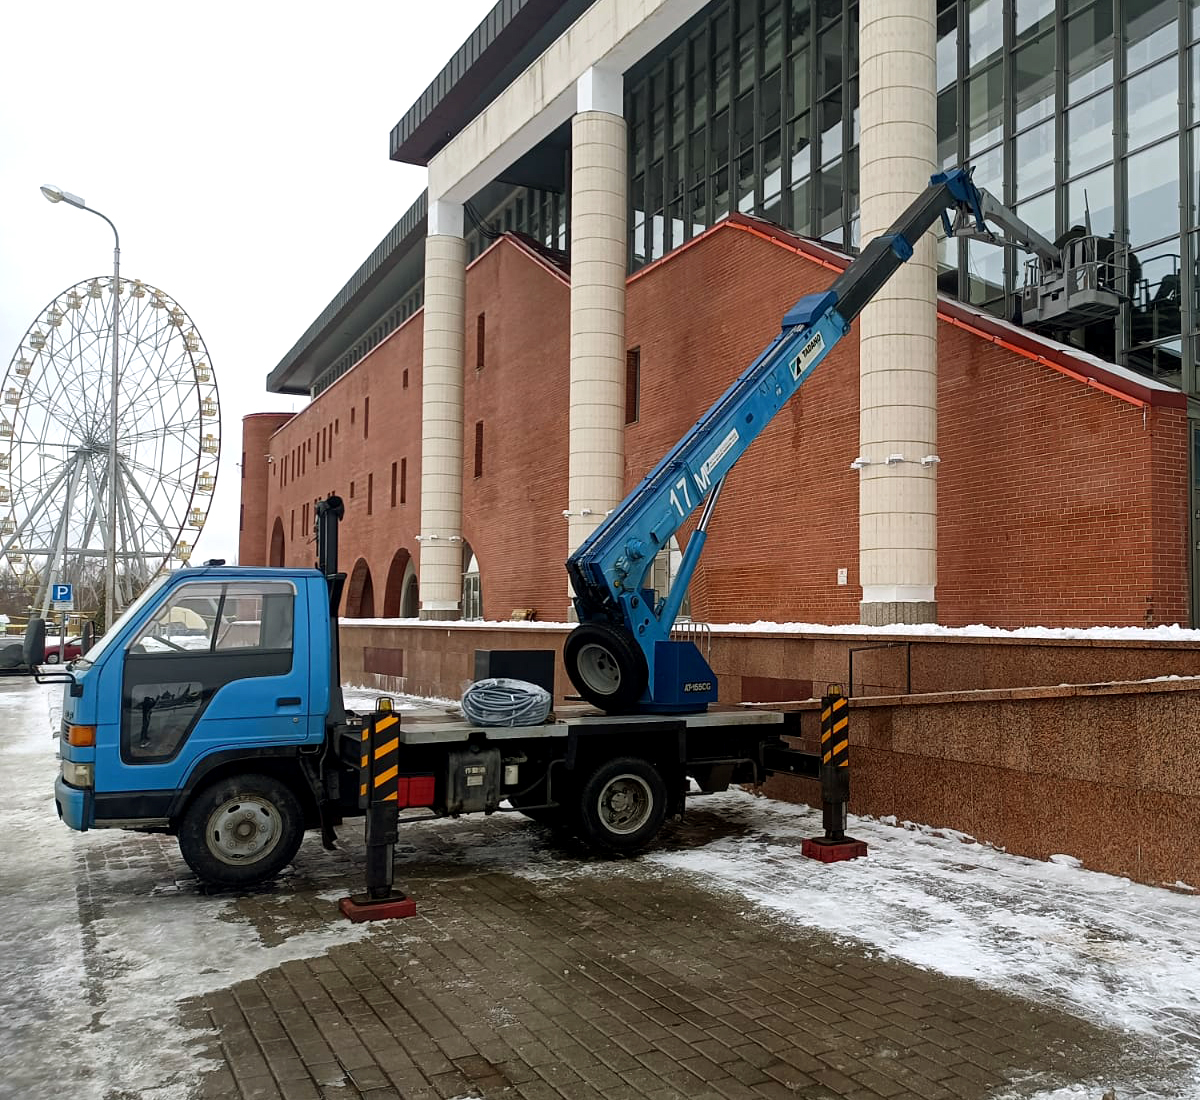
[(56, 651)]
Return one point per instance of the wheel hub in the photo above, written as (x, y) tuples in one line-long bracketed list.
[(244, 830), (599, 669), (625, 804)]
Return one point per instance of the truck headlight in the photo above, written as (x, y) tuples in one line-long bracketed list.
[(78, 775)]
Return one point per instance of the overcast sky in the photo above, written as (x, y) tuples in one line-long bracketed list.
[(241, 149)]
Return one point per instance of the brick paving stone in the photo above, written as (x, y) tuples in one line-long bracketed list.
[(259, 1088), (629, 985), (788, 1075)]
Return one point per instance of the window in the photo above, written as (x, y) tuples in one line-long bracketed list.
[(393, 485), (479, 448), (480, 337), (1035, 160), (175, 666), (243, 465), (1090, 51), (1151, 30), (404, 379), (370, 492), (472, 599), (1092, 196), (633, 384), (1152, 97), (366, 416), (1154, 193), (1089, 134), (403, 479)]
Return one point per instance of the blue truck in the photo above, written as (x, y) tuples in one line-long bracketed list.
[(209, 711), (212, 708)]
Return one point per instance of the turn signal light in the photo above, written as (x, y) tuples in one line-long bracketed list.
[(81, 736)]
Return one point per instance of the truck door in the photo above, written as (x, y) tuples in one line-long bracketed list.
[(221, 664)]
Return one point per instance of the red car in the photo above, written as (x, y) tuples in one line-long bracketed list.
[(57, 651)]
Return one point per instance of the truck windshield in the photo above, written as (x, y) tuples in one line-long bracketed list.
[(105, 639)]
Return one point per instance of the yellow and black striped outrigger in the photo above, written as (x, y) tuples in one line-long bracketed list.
[(378, 795), (835, 762)]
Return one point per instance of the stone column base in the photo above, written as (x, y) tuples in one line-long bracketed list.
[(898, 611), (438, 616)]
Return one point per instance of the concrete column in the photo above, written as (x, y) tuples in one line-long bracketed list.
[(898, 330), (442, 413), (596, 464)]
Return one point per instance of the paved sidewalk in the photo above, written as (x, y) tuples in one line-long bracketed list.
[(577, 980)]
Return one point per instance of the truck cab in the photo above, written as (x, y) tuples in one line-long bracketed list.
[(203, 712)]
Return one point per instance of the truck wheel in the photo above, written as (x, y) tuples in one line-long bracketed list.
[(622, 805), (241, 830), (606, 666)]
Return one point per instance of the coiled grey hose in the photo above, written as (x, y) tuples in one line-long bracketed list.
[(499, 701)]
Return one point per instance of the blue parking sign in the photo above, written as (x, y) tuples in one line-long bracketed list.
[(62, 593)]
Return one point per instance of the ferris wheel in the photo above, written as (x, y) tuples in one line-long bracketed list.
[(60, 492)]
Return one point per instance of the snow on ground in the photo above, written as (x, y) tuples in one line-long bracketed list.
[(88, 1009), (1104, 948), (84, 1003)]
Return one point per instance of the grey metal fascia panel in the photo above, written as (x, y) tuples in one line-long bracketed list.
[(480, 69)]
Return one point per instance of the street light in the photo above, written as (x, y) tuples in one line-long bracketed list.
[(57, 194)]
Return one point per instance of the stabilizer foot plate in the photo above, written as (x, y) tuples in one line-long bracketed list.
[(360, 908), (833, 851)]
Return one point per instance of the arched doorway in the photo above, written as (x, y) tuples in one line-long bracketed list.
[(360, 592), (410, 605), (393, 591), (275, 556), (472, 592)]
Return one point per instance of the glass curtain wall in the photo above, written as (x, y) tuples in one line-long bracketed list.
[(1074, 112), (752, 108)]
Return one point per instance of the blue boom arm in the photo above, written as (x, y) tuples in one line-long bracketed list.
[(608, 571)]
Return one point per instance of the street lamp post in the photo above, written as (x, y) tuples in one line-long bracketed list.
[(57, 194)]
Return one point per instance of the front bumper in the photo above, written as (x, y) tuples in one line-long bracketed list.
[(75, 806)]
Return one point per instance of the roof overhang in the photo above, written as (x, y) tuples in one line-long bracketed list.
[(512, 36)]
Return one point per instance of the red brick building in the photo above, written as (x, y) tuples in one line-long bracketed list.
[(1062, 481)]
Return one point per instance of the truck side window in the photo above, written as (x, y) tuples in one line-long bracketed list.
[(205, 635), (216, 616)]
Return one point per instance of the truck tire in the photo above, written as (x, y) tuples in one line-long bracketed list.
[(622, 804), (241, 830), (606, 666)]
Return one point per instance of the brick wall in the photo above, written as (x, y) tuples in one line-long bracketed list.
[(1058, 503), (254, 529), (346, 442), (512, 512)]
